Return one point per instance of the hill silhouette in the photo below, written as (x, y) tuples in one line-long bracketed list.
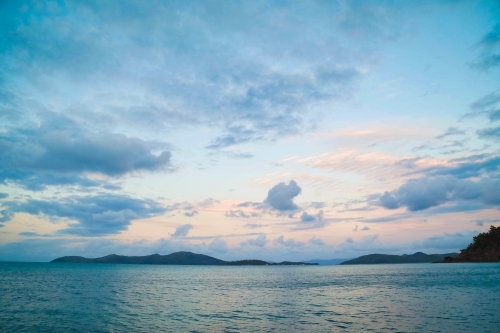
[(417, 257), (177, 258), (485, 247)]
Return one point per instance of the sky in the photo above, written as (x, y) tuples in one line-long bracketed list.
[(277, 130)]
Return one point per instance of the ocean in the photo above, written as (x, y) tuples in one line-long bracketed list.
[(44, 297)]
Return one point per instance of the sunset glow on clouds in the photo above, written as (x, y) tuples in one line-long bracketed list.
[(271, 130)]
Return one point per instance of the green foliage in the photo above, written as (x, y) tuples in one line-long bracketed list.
[(486, 240)]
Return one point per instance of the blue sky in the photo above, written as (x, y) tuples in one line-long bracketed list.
[(278, 130)]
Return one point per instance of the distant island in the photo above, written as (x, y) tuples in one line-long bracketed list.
[(418, 257), (326, 262), (177, 258), (485, 247)]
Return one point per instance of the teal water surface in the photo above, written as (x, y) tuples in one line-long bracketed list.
[(43, 297)]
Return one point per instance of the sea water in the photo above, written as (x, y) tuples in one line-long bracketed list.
[(44, 297)]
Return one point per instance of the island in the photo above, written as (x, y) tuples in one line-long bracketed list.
[(326, 262), (485, 247), (177, 258), (418, 257)]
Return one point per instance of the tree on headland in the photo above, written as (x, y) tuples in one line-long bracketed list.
[(485, 247)]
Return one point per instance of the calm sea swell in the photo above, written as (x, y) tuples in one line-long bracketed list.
[(37, 297)]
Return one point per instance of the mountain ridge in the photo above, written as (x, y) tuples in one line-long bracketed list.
[(176, 258), (417, 257)]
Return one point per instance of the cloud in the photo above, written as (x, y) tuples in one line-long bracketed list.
[(481, 222), (486, 101), (487, 105), (426, 192), (37, 181), (450, 132), (41, 248), (281, 196), (355, 228), (254, 225), (218, 245), (494, 115), (45, 249), (209, 202), (109, 154), (238, 155), (257, 205), (364, 243), (237, 135), (180, 206), (305, 217), (4, 195), (490, 50), (139, 65), (489, 133), (182, 230), (241, 214), (249, 71), (372, 165), (388, 201), (29, 234), (316, 204), (471, 166), (191, 214), (451, 207), (365, 229), (37, 248), (289, 243), (492, 37), (259, 241), (369, 239), (283, 93), (458, 240), (487, 62), (60, 152), (98, 215), (222, 236), (316, 241), (35, 234)]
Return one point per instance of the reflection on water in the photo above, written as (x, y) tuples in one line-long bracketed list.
[(137, 298)]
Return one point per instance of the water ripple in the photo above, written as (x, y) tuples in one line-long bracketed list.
[(135, 298)]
